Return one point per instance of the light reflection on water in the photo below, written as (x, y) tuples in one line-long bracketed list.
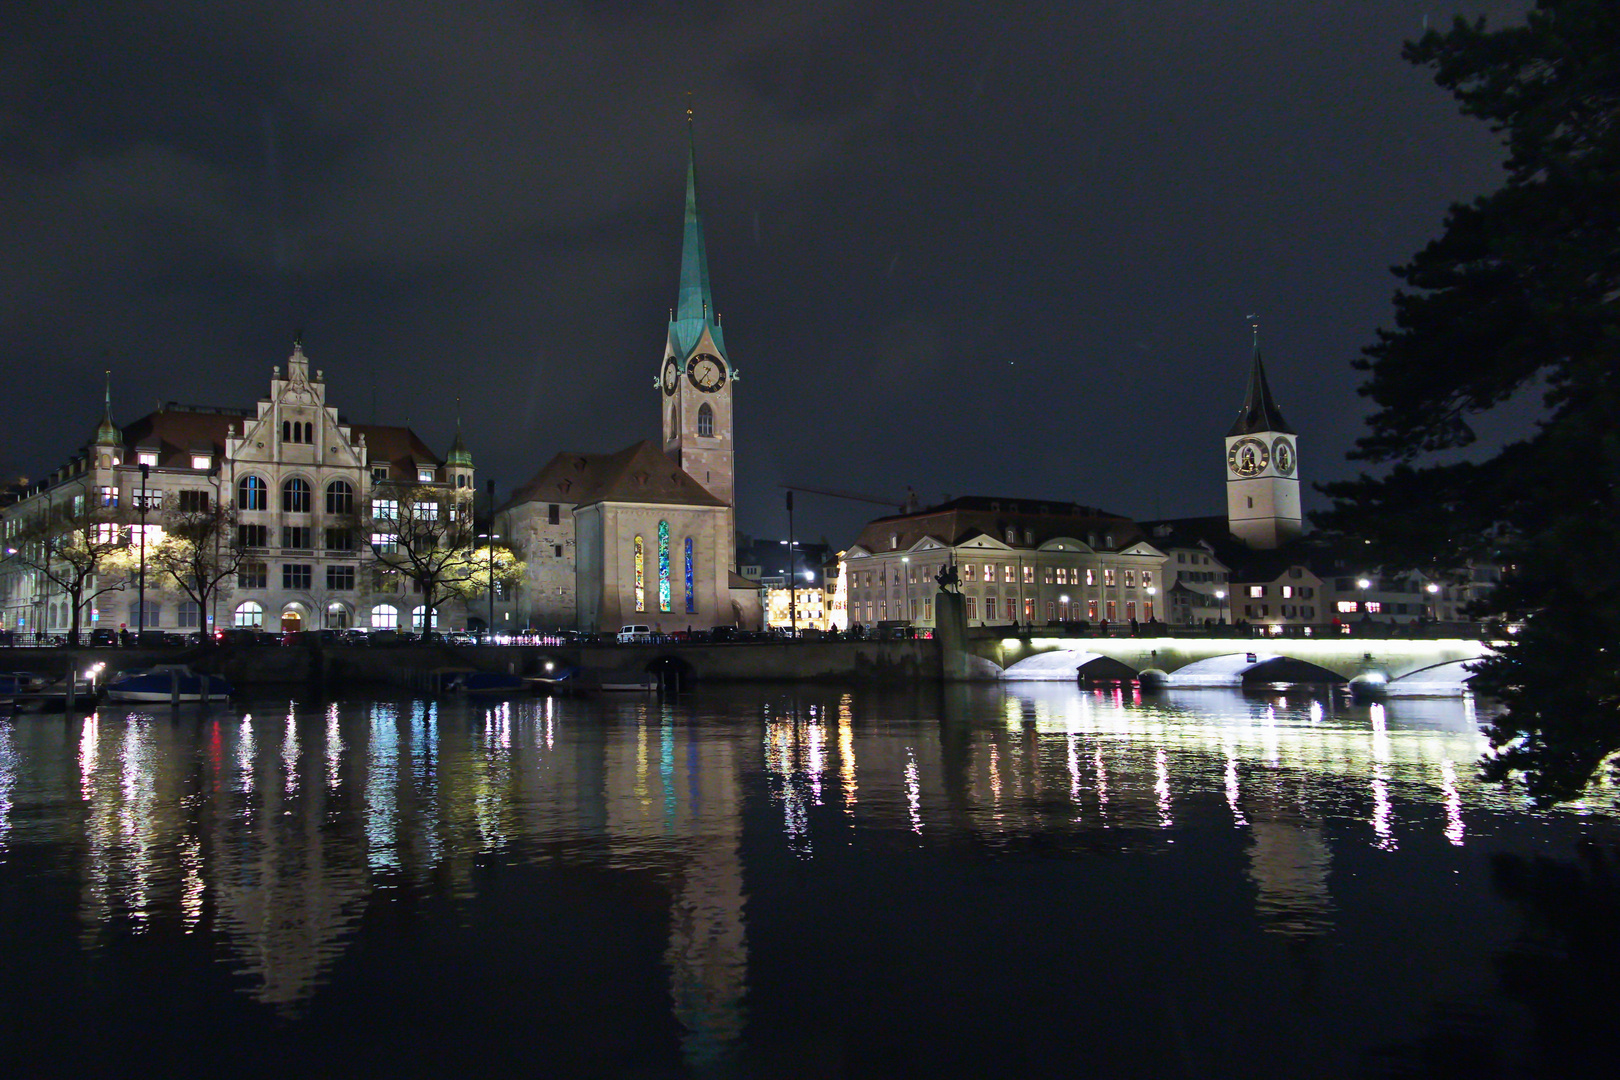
[(274, 830)]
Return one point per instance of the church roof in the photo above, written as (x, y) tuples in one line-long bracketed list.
[(962, 519), (1259, 412), (694, 308), (642, 473)]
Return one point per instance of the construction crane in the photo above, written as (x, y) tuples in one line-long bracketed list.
[(902, 506)]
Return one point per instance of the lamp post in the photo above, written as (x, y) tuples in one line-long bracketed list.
[(905, 583), (1152, 591), (489, 485), (140, 596), (793, 573), (1220, 603)]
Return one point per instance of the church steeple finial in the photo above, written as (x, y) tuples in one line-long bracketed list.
[(459, 454), (107, 433), (1259, 412)]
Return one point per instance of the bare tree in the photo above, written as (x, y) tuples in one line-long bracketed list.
[(199, 553), (80, 547), (427, 534)]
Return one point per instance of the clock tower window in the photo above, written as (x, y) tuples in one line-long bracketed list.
[(705, 422)]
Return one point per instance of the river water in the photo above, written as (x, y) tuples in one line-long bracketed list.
[(782, 881)]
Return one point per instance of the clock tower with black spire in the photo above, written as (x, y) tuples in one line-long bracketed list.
[(696, 379), (1262, 468)]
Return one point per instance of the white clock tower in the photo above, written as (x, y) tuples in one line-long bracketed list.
[(1262, 468), (696, 378)]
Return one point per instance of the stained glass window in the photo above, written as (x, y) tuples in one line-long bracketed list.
[(691, 597), (663, 566), (641, 576)]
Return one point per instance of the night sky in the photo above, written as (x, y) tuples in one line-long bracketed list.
[(993, 249)]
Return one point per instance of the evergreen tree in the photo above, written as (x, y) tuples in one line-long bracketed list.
[(1517, 299)]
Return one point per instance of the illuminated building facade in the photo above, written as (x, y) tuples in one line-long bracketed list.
[(1018, 561), (304, 483)]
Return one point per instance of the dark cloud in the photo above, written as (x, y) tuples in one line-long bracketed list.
[(963, 249)]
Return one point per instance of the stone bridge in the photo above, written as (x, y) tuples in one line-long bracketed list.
[(1393, 666)]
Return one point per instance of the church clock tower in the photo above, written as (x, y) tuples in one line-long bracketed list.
[(696, 379), (1262, 468)]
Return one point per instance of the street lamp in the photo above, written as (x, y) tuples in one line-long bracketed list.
[(489, 631), (905, 574), (140, 599), (1220, 603)]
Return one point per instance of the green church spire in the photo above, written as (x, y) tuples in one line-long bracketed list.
[(694, 308)]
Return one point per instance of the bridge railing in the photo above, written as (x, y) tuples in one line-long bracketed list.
[(1429, 630)]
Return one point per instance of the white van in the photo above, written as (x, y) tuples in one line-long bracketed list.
[(629, 635)]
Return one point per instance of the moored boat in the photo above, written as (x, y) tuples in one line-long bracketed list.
[(167, 682)]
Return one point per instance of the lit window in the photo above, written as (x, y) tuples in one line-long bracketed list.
[(1029, 577), (1347, 606), (424, 476), (1091, 576), (426, 511), (385, 617), (249, 615), (146, 457), (1130, 579), (385, 543), (385, 509), (1374, 607), (1288, 592), (1147, 578), (202, 461), (252, 494), (1256, 591), (1108, 580)]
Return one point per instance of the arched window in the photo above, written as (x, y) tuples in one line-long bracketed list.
[(416, 619), (295, 496), (339, 497), (252, 493), (337, 616), (249, 614), (691, 597), (385, 617), (706, 421), (663, 566), (641, 575)]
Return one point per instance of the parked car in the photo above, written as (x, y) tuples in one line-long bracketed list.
[(245, 636), (103, 637), (354, 636), (637, 632), (723, 633), (460, 637), (384, 637)]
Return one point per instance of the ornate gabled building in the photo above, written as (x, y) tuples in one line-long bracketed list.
[(1018, 561), (646, 535), (303, 482)]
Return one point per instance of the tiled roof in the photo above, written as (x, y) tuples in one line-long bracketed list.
[(399, 447), (177, 434), (961, 519), (642, 473)]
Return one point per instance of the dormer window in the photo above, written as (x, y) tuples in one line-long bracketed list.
[(424, 476), (202, 461), (379, 474), (146, 457)]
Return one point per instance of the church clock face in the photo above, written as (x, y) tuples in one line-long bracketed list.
[(1282, 455), (672, 375), (707, 373), (1247, 457)]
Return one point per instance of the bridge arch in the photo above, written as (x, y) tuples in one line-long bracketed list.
[(1066, 665), (1450, 677), (1235, 669)]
